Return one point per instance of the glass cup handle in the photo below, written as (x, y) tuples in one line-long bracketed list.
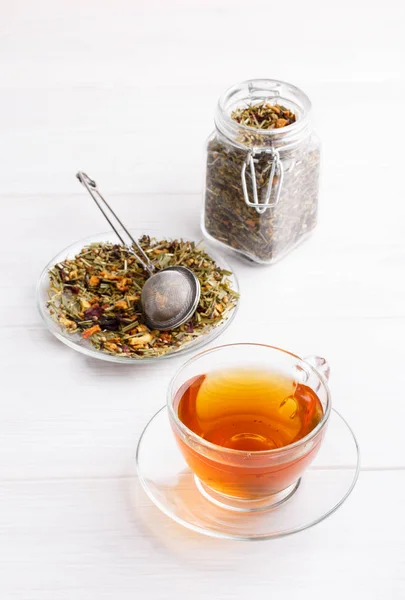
[(320, 364)]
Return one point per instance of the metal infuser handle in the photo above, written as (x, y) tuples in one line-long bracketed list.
[(110, 216), (277, 164)]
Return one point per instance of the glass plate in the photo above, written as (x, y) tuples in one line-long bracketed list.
[(172, 487), (76, 342)]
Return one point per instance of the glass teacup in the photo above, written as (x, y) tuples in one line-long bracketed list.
[(250, 480)]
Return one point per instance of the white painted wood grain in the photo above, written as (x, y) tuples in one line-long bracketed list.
[(127, 91), (80, 80), (100, 538)]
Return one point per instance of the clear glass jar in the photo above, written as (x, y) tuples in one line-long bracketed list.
[(261, 186)]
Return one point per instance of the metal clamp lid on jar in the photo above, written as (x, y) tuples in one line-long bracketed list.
[(287, 140), (276, 167)]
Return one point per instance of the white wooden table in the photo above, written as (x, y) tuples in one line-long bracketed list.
[(99, 85)]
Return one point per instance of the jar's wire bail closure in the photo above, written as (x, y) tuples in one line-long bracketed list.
[(277, 169)]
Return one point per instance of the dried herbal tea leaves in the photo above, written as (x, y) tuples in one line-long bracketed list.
[(264, 116), (265, 236), (97, 295)]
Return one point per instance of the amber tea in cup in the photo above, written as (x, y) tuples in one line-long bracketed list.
[(248, 420), (248, 409)]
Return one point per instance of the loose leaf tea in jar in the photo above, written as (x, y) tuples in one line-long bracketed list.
[(261, 192)]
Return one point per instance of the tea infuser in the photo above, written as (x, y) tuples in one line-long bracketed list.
[(169, 297)]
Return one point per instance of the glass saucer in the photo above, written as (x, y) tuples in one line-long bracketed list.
[(168, 481), (84, 346)]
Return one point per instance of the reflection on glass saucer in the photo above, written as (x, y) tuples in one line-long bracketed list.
[(168, 481)]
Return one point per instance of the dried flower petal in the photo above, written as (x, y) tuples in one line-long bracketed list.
[(89, 332), (94, 281), (94, 311)]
